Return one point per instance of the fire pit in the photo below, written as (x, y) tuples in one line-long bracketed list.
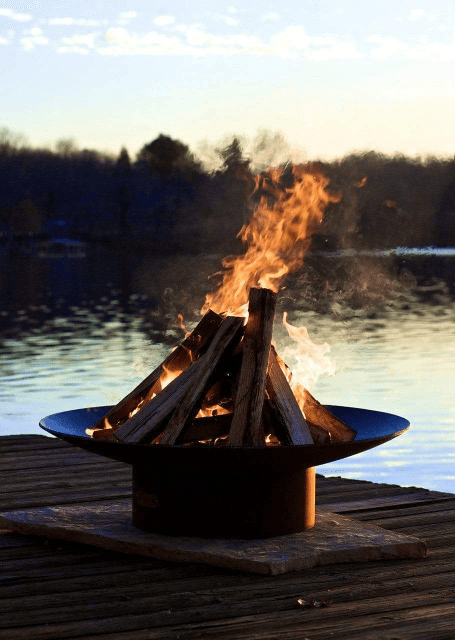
[(231, 492), (222, 442)]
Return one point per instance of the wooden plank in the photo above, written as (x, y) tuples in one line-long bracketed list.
[(246, 425), (46, 585), (426, 509), (381, 626), (272, 614), (355, 506), (62, 497), (135, 600)]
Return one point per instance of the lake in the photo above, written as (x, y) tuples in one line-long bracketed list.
[(83, 331)]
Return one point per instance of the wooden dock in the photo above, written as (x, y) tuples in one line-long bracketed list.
[(53, 589)]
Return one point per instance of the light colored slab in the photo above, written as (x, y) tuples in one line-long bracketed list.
[(334, 539)]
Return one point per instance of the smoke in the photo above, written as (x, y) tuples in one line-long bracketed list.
[(265, 150)]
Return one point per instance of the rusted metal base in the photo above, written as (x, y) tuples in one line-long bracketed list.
[(243, 504)]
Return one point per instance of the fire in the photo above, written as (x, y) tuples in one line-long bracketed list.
[(214, 410), (290, 208), (311, 359), (181, 325), (166, 377), (276, 238)]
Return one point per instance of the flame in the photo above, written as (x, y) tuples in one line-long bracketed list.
[(272, 441), (165, 378), (168, 376), (276, 237), (210, 411), (181, 325), (311, 360)]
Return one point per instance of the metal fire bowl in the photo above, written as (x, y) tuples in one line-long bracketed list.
[(373, 428), (226, 492)]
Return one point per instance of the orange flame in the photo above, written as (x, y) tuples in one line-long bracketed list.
[(213, 410), (181, 325), (277, 236)]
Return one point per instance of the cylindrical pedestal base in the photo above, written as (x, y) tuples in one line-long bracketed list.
[(241, 505)]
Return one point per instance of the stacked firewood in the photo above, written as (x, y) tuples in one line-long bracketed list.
[(229, 372)]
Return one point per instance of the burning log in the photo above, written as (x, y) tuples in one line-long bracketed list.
[(207, 429), (246, 423), (147, 422), (193, 382), (320, 417), (188, 351), (320, 435), (292, 428), (224, 367), (225, 340)]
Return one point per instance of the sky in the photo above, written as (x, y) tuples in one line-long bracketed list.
[(331, 77)]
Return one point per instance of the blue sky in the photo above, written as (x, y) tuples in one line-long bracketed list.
[(331, 76)]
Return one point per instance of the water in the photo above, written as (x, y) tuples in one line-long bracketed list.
[(79, 332)]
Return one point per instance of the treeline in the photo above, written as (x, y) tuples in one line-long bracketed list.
[(165, 200)]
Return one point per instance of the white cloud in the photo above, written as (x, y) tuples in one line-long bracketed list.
[(121, 42), (3, 41), (194, 40), (19, 17), (232, 9), (332, 49), (391, 47), (127, 15), (270, 16), (32, 38), (229, 20), (387, 47), (163, 21), (416, 15), (294, 40), (73, 49), (86, 39), (77, 22), (34, 31)]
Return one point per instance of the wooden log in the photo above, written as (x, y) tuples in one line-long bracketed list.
[(187, 351), (102, 434), (292, 429), (320, 435), (318, 415), (222, 345), (207, 428), (148, 423), (247, 426)]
